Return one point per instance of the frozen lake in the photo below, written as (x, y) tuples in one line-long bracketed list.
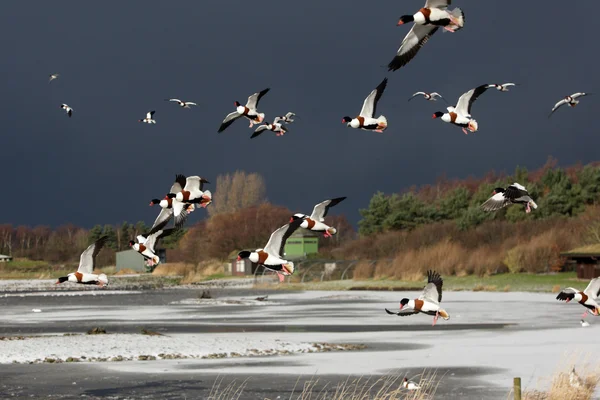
[(489, 339)]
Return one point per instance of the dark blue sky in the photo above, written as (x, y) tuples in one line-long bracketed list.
[(119, 59)]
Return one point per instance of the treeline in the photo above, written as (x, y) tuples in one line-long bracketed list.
[(557, 191), (65, 243)]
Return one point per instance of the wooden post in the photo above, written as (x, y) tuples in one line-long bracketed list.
[(517, 388)]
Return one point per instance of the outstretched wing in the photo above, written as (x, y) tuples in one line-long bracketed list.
[(369, 107), (180, 213), (163, 218), (593, 288), (412, 43), (150, 114), (154, 235), (576, 95), (229, 119), (258, 131), (320, 211), (416, 94), (402, 313), (179, 184), (277, 240), (87, 261), (255, 98), (567, 294), (433, 289), (557, 106), (495, 202), (175, 100), (465, 102)]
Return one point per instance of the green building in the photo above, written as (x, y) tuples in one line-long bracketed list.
[(301, 244)]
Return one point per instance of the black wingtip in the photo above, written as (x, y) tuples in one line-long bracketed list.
[(390, 312)]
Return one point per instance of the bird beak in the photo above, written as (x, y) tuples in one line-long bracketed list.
[(291, 220), (401, 306), (434, 116), (151, 204), (494, 192), (239, 258), (400, 22)]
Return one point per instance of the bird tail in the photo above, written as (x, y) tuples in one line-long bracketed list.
[(288, 268), (459, 19), (260, 117), (444, 314), (382, 121), (206, 199)]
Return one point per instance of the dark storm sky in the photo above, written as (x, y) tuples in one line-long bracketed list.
[(120, 59)]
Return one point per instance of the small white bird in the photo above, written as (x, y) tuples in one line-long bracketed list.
[(588, 298), (584, 323), (68, 109), (272, 256), (461, 114), (276, 127), (514, 194), (87, 264), (287, 118), (53, 77), (503, 87), (183, 104), (366, 119), (433, 96), (148, 119), (315, 222), (570, 100), (249, 111), (410, 385)]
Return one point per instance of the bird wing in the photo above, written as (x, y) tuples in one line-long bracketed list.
[(433, 289), (163, 218), (593, 288), (320, 211), (290, 115), (567, 294), (277, 240), (412, 43), (441, 4), (576, 95), (508, 84), (190, 103), (465, 102), (258, 131), (369, 107), (87, 261), (255, 98), (179, 184), (417, 94), (515, 191), (175, 100), (192, 183), (402, 313), (495, 202), (229, 119), (156, 234), (180, 213), (557, 106), (150, 114)]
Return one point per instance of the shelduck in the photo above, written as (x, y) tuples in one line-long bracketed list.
[(428, 302), (146, 244), (53, 77), (433, 96), (276, 127), (366, 119), (182, 104), (287, 118), (67, 109), (315, 222), (410, 385), (570, 100), (148, 119), (171, 207), (588, 298), (461, 114), (272, 256), (427, 21), (193, 192), (248, 111), (514, 194), (502, 87), (87, 263)]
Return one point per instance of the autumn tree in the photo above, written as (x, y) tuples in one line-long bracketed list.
[(237, 191)]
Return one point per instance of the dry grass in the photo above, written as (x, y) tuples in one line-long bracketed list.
[(555, 288), (172, 269), (561, 386), (379, 388), (126, 271)]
